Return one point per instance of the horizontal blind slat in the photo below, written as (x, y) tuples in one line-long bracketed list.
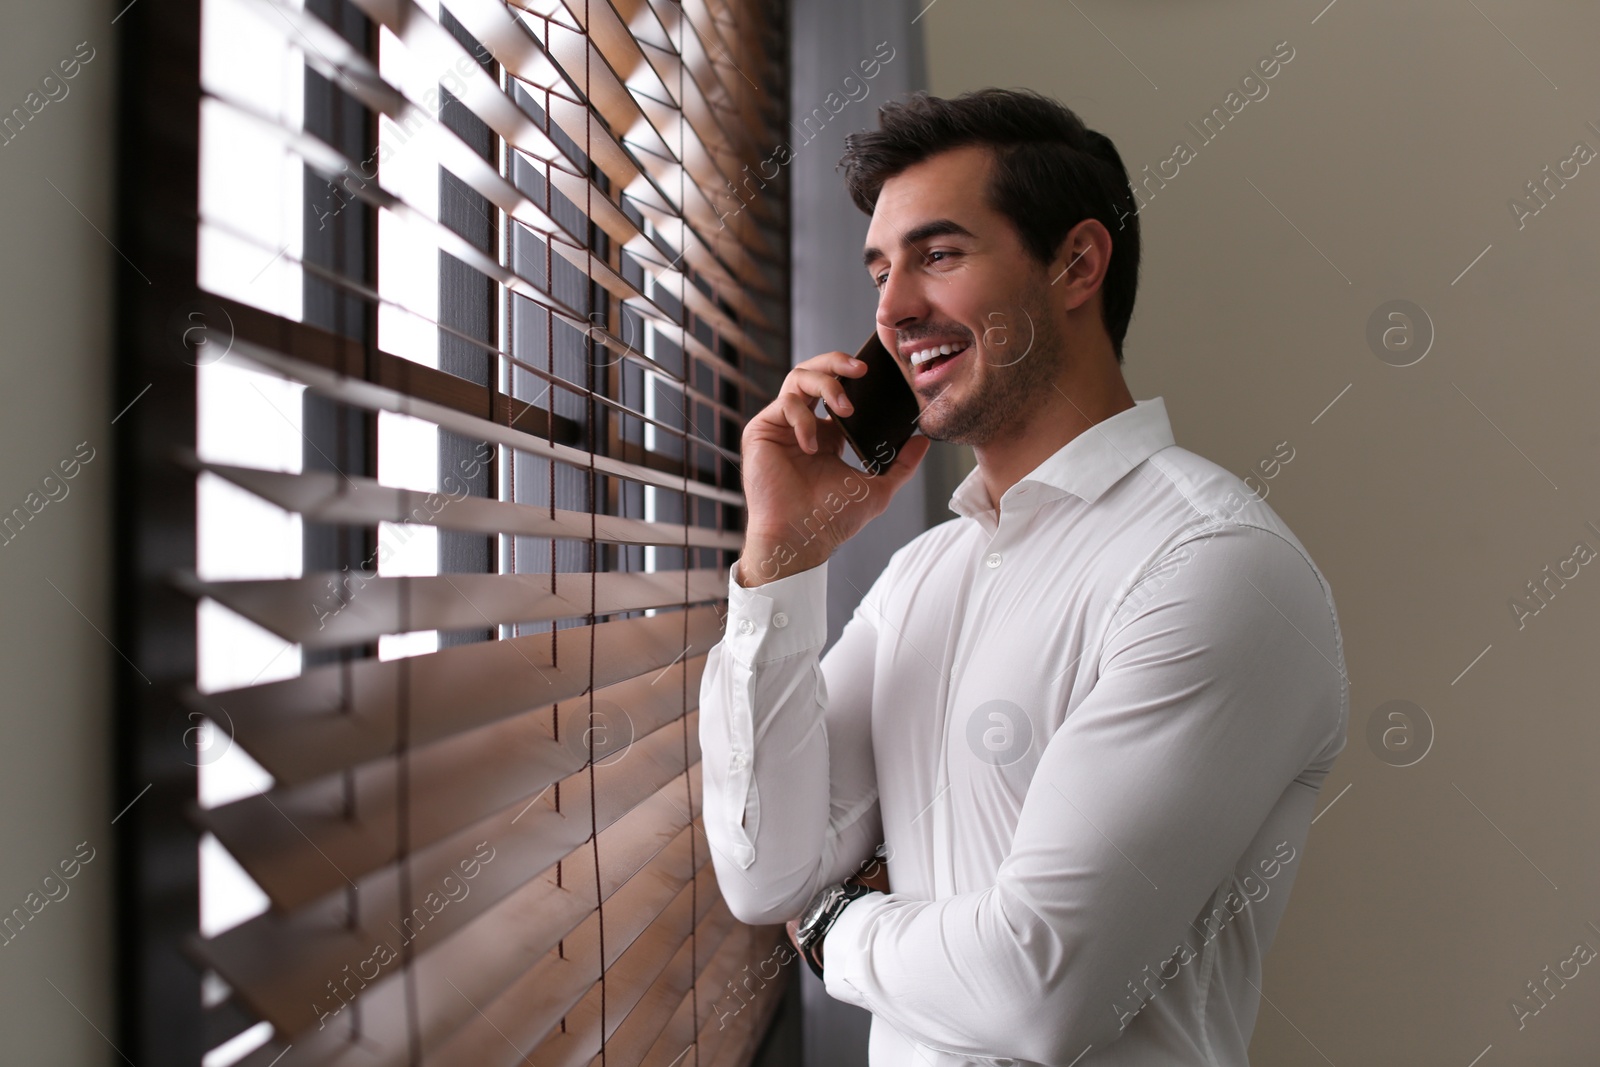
[(374, 397), (342, 715), (330, 352), (313, 612), (325, 497)]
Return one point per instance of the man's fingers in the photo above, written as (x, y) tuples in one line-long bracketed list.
[(815, 379), (799, 415), (815, 383), (815, 431), (834, 363)]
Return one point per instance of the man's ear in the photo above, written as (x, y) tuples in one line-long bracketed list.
[(1079, 266)]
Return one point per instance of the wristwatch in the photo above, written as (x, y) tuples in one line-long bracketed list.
[(820, 914)]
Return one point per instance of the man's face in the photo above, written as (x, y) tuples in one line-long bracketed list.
[(952, 271)]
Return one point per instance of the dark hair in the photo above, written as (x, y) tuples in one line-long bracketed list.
[(1051, 173)]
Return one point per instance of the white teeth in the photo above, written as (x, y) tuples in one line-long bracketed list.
[(919, 358)]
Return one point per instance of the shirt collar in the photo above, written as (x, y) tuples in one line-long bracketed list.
[(1085, 466)]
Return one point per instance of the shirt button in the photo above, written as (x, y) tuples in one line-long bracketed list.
[(993, 559), (780, 620), (746, 626), (738, 760)]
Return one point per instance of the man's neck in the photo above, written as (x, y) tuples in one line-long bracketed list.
[(1071, 407)]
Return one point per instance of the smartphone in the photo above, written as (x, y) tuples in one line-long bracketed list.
[(884, 408)]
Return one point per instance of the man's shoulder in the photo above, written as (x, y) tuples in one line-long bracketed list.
[(1231, 532), (1206, 496), (1192, 506)]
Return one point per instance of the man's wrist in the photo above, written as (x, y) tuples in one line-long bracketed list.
[(765, 560), (820, 915)]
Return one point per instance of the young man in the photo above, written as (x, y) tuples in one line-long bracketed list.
[(1085, 722)]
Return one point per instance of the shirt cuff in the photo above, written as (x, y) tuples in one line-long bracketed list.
[(845, 958), (778, 618)]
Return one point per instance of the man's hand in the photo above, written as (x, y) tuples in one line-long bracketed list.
[(793, 471), (794, 938)]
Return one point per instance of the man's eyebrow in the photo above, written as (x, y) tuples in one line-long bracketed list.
[(936, 228)]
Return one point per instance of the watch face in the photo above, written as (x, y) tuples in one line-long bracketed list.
[(817, 909)]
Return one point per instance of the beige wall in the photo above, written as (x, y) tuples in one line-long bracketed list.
[(1429, 494), (55, 670)]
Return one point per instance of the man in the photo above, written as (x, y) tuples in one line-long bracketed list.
[(1086, 721)]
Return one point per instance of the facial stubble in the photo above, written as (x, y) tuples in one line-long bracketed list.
[(1008, 386)]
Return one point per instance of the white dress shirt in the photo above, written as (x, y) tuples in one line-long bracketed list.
[(1089, 732)]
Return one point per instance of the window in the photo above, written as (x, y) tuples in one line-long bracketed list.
[(450, 342)]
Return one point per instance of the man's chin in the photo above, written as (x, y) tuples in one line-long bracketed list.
[(940, 426)]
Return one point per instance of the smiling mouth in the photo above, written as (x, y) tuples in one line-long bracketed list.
[(926, 359)]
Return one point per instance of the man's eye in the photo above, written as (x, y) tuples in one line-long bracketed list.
[(878, 281)]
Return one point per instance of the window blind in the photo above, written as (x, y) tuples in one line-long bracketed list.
[(528, 238)]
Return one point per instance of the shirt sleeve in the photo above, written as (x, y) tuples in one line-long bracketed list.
[(1213, 695), (790, 791)]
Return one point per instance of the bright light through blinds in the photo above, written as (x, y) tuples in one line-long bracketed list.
[(408, 283), (491, 344)]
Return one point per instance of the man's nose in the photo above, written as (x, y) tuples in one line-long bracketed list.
[(901, 301)]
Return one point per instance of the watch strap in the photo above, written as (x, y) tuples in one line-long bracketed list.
[(843, 893)]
